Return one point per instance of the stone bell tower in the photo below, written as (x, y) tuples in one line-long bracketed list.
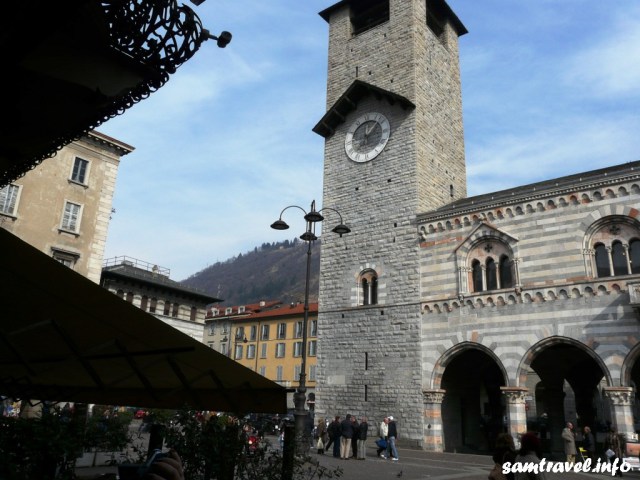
[(394, 148)]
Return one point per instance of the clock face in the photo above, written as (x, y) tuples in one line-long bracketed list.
[(367, 137)]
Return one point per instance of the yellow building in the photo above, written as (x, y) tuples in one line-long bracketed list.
[(267, 338)]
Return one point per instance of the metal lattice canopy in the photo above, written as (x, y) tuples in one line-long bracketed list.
[(71, 65)]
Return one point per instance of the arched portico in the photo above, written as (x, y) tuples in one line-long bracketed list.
[(564, 376), (466, 383)]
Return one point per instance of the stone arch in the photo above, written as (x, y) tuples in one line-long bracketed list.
[(565, 377), (630, 366), (453, 352), (472, 378), (537, 348)]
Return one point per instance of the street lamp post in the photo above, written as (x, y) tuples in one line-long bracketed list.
[(299, 398)]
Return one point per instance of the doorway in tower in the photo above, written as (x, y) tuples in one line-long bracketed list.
[(473, 411), (564, 382)]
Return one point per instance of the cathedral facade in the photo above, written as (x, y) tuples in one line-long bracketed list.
[(462, 316)]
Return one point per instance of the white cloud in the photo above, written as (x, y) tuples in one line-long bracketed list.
[(610, 66)]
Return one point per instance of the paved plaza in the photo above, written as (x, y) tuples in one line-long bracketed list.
[(413, 465)]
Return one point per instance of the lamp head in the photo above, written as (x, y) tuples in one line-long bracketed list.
[(341, 229), (308, 236), (313, 217), (279, 225)]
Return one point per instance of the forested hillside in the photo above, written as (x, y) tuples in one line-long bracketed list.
[(273, 271)]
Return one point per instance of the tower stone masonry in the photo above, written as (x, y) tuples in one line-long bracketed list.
[(461, 317)]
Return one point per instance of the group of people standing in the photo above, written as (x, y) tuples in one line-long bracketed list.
[(531, 451), (348, 437), (613, 445)]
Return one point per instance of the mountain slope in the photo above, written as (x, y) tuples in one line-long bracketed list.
[(270, 272)]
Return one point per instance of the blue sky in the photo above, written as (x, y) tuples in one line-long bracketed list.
[(550, 88)]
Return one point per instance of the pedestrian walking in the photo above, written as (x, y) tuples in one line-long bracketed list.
[(384, 435), (613, 448), (393, 436)]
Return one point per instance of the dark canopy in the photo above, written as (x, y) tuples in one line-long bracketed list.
[(64, 338)]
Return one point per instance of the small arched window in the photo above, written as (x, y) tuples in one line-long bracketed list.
[(365, 291), (368, 288), (602, 261), (634, 255), (506, 276), (490, 266), (492, 277), (476, 272), (619, 259)]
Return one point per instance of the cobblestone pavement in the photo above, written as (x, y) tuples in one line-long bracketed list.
[(419, 465), (412, 465)]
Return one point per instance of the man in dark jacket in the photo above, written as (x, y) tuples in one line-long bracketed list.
[(346, 434), (354, 439), (589, 444), (334, 436)]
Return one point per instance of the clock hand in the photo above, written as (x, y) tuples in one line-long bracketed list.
[(368, 129)]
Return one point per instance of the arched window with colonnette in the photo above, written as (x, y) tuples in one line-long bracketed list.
[(368, 287), (612, 247), (487, 261)]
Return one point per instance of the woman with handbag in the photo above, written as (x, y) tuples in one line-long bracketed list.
[(322, 436)]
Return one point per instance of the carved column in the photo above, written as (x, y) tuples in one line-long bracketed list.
[(620, 399), (610, 257), (516, 411), (588, 254), (433, 431)]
